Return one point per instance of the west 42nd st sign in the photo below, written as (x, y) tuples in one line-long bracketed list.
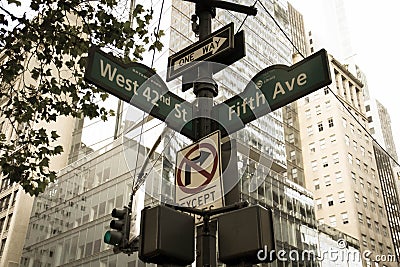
[(271, 89), (140, 86)]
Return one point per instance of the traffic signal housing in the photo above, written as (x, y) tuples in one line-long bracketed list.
[(119, 237)]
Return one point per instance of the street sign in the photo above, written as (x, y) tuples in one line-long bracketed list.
[(212, 46), (198, 174), (271, 89), (140, 86), (220, 62)]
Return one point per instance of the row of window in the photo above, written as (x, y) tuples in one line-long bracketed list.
[(328, 181), (380, 248), (4, 222), (320, 126), (376, 226), (329, 200), (332, 219), (365, 202)]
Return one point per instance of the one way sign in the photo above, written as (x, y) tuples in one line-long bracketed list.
[(214, 45), (198, 174)]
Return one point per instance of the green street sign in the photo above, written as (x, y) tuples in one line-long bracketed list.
[(140, 86), (271, 89)]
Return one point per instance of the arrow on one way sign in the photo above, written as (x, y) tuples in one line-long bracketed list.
[(212, 46)]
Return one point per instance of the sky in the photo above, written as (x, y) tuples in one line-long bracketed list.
[(376, 45)]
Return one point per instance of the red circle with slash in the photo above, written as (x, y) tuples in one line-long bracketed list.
[(208, 175)]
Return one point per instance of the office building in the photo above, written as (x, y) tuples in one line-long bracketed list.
[(15, 204), (340, 167)]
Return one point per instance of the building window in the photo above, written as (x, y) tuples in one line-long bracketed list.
[(353, 176), (357, 197), (335, 157), (324, 162), (322, 144), (308, 113), (314, 165), (361, 182), (377, 191), (318, 203), (350, 158), (316, 184), (312, 147), (352, 128), (332, 220), (309, 130), (364, 240), (373, 206), (362, 149), (358, 163), (320, 127), (380, 210), (3, 244), (347, 140), (368, 222), (293, 154), (345, 218), (318, 109), (365, 201), (330, 122), (373, 245), (290, 121), (377, 227), (307, 99), (369, 187), (344, 122), (384, 230), (333, 138), (326, 90), (341, 197), (360, 218), (294, 173), (355, 145), (367, 108), (291, 138), (328, 104), (339, 177), (330, 200), (327, 179)]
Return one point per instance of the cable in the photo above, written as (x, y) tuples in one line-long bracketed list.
[(280, 28), (336, 96), (245, 18)]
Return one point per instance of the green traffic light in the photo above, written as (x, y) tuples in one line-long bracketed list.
[(107, 237), (113, 238)]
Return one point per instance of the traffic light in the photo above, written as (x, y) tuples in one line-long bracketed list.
[(119, 237)]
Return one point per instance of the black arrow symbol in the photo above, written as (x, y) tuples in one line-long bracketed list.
[(199, 159)]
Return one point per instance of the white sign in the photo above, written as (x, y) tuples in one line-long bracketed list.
[(198, 174)]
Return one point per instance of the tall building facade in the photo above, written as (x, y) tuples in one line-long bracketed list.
[(340, 166), (15, 204), (380, 126), (390, 195)]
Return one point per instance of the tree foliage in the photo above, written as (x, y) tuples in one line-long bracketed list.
[(43, 53)]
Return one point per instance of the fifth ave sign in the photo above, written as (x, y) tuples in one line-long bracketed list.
[(271, 89), (215, 44)]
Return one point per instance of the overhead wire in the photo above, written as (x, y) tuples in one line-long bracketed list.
[(335, 95)]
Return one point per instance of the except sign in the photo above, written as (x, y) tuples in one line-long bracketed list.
[(198, 172), (271, 89), (212, 46), (140, 86)]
